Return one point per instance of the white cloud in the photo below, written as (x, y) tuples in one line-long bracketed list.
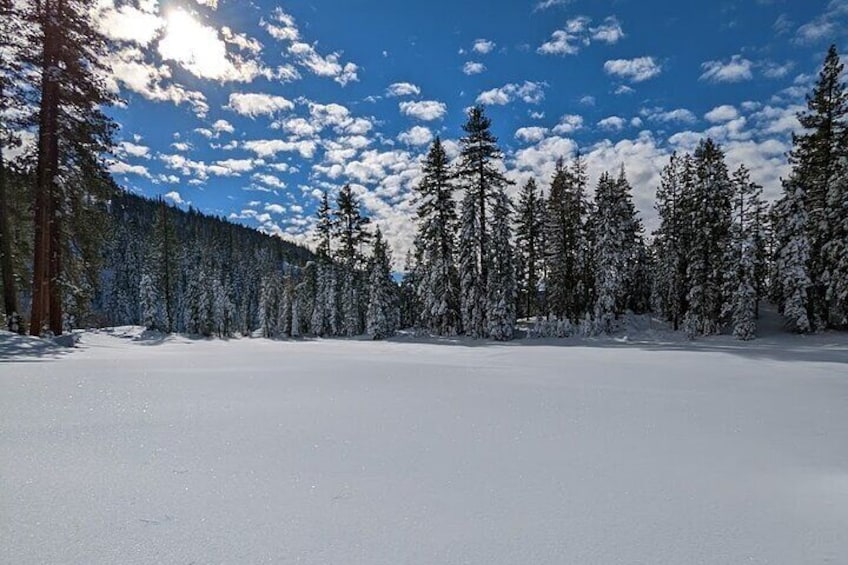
[(121, 168), (569, 123), (236, 166), (636, 70), (608, 32), (681, 115), (134, 149), (223, 126), (532, 134), (128, 23), (174, 197), (545, 4), (270, 147), (200, 50), (529, 92), (403, 89), (269, 180), (275, 209), (775, 70), (567, 41), (256, 104), (720, 114), (612, 123), (417, 135), (483, 46), (284, 28), (425, 110), (736, 69), (473, 68)]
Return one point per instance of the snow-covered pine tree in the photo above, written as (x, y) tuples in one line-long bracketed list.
[(324, 312), (382, 317), (268, 313), (615, 249), (149, 302), (349, 227), (437, 278), (819, 160), (478, 173), (710, 218), (670, 247), (501, 288), (742, 255), (565, 243), (284, 319), (529, 241), (792, 255)]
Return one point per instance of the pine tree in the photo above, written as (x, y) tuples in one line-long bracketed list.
[(382, 315), (529, 236), (670, 248), (12, 96), (478, 174), (73, 131), (566, 247), (149, 302), (438, 281), (791, 279), (615, 248), (349, 227), (742, 255), (710, 220), (501, 287), (819, 160)]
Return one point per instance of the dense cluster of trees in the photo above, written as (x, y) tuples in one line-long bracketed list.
[(75, 250)]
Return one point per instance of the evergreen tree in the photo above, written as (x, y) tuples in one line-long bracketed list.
[(792, 280), (710, 220), (501, 287), (529, 236), (438, 281), (73, 131), (349, 227), (382, 309), (819, 162), (670, 248), (149, 302), (478, 174), (615, 248), (566, 253), (741, 277)]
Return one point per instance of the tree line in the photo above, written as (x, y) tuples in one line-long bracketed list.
[(77, 251)]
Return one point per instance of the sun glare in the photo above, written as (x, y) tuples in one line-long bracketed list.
[(192, 44)]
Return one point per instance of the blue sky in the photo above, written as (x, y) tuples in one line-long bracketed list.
[(249, 110)]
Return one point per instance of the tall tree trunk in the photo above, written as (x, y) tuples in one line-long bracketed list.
[(47, 165), (10, 293)]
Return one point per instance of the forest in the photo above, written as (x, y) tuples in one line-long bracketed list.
[(77, 251)]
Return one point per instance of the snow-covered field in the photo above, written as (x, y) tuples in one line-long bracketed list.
[(138, 449)]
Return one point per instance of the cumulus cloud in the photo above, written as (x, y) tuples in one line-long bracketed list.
[(253, 104), (737, 69), (403, 89), (424, 110), (532, 134), (636, 70), (473, 68), (417, 135), (578, 33), (174, 197), (612, 123), (720, 114), (483, 46), (568, 124), (529, 92), (283, 28)]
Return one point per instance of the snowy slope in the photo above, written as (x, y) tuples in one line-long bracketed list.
[(135, 448)]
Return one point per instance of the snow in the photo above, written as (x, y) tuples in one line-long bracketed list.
[(134, 447)]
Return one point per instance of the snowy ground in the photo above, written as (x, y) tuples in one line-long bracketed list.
[(138, 449)]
